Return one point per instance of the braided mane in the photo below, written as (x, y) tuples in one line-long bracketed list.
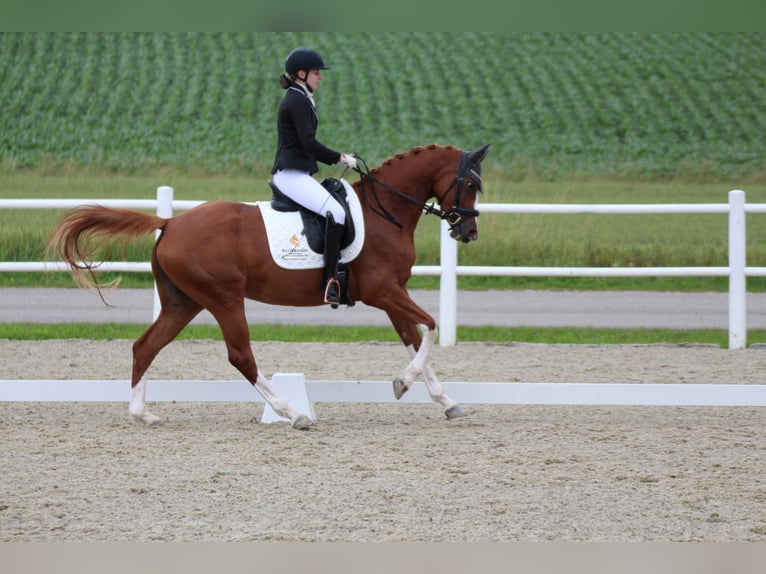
[(412, 152)]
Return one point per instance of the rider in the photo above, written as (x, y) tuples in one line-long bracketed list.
[(298, 152)]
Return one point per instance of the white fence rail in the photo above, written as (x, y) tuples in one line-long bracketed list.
[(449, 270)]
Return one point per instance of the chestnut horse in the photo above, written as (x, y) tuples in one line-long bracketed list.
[(216, 255)]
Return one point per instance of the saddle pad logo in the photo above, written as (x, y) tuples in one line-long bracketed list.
[(293, 251)]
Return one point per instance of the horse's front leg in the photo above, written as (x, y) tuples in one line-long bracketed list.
[(419, 349), (417, 363), (452, 410)]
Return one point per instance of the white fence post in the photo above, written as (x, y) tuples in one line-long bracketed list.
[(737, 281), (447, 289), (164, 209)]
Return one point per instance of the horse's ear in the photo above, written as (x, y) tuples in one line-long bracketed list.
[(478, 155)]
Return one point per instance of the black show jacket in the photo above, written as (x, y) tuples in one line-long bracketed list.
[(298, 147)]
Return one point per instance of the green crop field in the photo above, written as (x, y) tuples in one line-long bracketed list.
[(617, 105)]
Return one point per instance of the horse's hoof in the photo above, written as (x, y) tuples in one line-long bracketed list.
[(455, 412), (399, 388), (147, 419), (302, 422)]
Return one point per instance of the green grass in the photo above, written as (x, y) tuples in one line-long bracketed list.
[(330, 334)]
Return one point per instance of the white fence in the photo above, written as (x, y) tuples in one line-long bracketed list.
[(737, 271), (448, 270)]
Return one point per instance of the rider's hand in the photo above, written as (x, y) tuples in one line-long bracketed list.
[(348, 160)]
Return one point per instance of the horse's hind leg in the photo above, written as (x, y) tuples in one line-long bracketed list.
[(419, 348), (177, 311), (237, 337)]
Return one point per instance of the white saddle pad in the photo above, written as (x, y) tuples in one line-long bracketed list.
[(288, 244)]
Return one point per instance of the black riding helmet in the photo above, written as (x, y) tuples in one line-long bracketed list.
[(303, 59)]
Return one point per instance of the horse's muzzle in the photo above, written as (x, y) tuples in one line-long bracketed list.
[(465, 232)]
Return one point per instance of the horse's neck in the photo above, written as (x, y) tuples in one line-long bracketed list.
[(405, 204)]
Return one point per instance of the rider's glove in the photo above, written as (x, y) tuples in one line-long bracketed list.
[(348, 160)]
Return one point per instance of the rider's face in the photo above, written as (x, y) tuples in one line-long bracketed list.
[(313, 79)]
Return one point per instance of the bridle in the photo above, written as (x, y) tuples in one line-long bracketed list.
[(453, 216)]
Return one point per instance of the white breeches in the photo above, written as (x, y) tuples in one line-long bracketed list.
[(301, 187)]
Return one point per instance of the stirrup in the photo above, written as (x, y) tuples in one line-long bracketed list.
[(332, 299)]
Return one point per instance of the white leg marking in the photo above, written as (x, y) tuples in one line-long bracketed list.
[(137, 406), (419, 359), (435, 389), (417, 364), (280, 405)]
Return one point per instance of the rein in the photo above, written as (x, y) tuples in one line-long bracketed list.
[(365, 177), (453, 216)]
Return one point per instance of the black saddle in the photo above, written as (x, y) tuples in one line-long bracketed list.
[(314, 224)]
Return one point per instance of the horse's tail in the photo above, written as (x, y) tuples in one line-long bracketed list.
[(85, 231)]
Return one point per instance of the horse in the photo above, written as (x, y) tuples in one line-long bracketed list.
[(216, 255)]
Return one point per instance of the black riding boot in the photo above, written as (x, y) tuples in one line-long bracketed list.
[(333, 236)]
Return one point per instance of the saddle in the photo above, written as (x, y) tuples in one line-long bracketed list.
[(314, 224)]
